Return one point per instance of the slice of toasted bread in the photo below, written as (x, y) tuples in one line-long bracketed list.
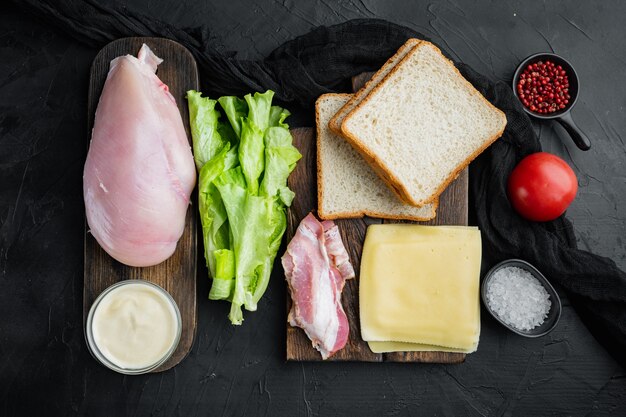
[(353, 102), (346, 185), (422, 124)]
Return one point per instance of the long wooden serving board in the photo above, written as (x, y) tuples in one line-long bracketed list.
[(177, 274), (452, 210)]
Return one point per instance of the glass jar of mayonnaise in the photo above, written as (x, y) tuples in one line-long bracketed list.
[(133, 327)]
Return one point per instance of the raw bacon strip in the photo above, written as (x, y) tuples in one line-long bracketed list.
[(337, 252), (315, 283)]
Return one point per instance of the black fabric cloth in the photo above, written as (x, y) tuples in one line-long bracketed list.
[(298, 71), (323, 61)]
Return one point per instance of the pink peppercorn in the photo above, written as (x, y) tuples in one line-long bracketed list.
[(543, 87)]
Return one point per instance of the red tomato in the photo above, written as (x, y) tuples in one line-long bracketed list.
[(542, 186)]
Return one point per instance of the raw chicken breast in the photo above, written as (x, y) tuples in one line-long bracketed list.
[(139, 172), (316, 267)]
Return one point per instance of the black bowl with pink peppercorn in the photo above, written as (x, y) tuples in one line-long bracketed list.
[(547, 87)]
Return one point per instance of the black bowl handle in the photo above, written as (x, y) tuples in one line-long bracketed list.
[(580, 139)]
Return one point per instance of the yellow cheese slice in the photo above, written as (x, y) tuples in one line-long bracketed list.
[(386, 347), (420, 285)]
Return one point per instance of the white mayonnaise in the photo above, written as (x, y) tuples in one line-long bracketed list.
[(135, 325)]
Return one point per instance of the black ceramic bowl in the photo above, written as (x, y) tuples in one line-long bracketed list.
[(555, 302), (562, 116)]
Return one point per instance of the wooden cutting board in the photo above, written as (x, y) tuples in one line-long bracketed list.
[(452, 210), (177, 274)]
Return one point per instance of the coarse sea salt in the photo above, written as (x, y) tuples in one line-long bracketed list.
[(518, 298)]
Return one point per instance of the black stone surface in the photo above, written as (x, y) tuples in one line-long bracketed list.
[(45, 368)]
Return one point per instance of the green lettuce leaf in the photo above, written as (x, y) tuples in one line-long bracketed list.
[(278, 116), (251, 154), (227, 133), (203, 118), (213, 216), (280, 159), (248, 217), (224, 279), (243, 163), (259, 108), (235, 109), (278, 225)]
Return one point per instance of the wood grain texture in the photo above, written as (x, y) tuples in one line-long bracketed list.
[(452, 210), (177, 274)]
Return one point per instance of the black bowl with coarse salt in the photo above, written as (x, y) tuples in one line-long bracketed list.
[(554, 313)]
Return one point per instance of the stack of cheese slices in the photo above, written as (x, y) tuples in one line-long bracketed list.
[(393, 147), (419, 288), (389, 151)]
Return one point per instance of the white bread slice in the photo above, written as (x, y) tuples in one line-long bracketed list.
[(346, 185), (355, 99), (422, 124)]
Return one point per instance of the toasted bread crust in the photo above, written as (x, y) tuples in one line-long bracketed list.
[(378, 215), (333, 124), (382, 169), (320, 186), (318, 135)]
